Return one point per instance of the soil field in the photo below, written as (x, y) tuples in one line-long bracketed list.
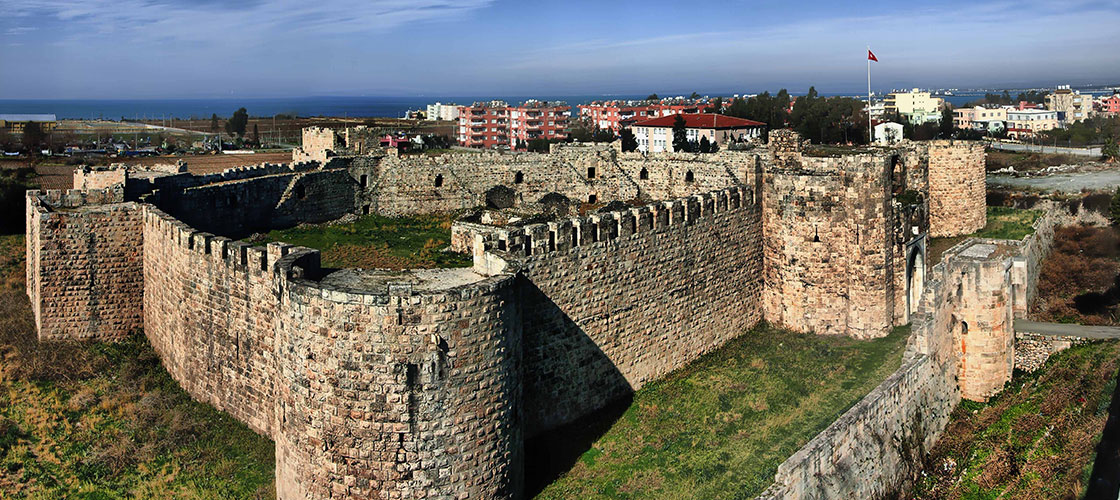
[(206, 164), (61, 176)]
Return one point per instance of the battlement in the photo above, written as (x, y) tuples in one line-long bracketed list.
[(364, 370), (73, 198), (601, 228)]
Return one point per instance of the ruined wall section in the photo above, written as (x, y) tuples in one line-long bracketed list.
[(615, 300), (99, 178), (666, 176), (84, 264), (583, 173), (876, 448), (239, 207), (829, 242), (957, 187)]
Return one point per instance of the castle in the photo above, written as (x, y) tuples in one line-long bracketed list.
[(426, 383)]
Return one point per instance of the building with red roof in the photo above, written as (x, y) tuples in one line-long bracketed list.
[(656, 135)]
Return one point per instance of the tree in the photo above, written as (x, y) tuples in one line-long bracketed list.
[(705, 146), (33, 138), (653, 97), (694, 96), (602, 135), (214, 123), (946, 130), (1111, 151), (680, 134), (237, 123), (629, 142), (715, 107), (256, 134), (1114, 208)]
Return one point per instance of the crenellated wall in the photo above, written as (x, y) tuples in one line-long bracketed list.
[(380, 393), (614, 300), (425, 384)]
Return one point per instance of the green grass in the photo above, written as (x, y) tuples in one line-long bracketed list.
[(1006, 223), (720, 427), (1036, 439), (374, 241), (105, 420), (1003, 223)]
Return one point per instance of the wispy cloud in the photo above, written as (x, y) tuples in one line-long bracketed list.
[(212, 21), (19, 30)]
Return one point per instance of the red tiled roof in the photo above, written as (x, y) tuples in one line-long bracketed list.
[(701, 120)]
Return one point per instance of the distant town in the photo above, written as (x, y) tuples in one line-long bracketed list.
[(1058, 116)]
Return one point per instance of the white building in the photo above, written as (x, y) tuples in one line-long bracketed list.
[(440, 111), (656, 135), (887, 133)]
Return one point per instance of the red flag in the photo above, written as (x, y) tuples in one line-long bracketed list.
[(871, 56)]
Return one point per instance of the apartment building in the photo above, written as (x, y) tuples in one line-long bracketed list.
[(915, 106), (656, 135), (1109, 105), (1070, 104), (980, 118), (484, 125), (1028, 122), (538, 120), (440, 111), (617, 115), (496, 124)]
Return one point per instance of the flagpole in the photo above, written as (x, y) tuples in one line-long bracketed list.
[(870, 134)]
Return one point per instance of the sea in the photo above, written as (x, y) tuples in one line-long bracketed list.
[(354, 106)]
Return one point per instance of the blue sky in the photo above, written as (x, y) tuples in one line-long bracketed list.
[(225, 48)]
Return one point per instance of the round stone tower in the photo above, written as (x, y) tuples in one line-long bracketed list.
[(957, 189)]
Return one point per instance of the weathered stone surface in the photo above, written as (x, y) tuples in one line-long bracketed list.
[(427, 387)]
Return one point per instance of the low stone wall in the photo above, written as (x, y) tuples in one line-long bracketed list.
[(875, 448), (1032, 349)]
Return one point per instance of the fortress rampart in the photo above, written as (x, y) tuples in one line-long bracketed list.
[(425, 384)]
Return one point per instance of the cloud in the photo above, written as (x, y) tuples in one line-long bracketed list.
[(19, 30), (221, 22)]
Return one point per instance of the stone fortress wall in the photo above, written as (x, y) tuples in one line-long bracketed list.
[(425, 384)]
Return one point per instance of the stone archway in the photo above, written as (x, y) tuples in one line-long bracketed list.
[(915, 281)]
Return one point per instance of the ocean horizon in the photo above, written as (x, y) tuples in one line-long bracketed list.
[(334, 106)]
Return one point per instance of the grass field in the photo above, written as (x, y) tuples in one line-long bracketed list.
[(376, 242), (1036, 439), (720, 427), (1004, 223), (105, 421)]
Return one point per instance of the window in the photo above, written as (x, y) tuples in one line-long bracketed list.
[(362, 180), (439, 180), (591, 173), (518, 178), (689, 177), (592, 198), (644, 174)]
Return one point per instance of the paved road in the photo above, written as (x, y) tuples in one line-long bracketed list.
[(1068, 330), (1013, 146)]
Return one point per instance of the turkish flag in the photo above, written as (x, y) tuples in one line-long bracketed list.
[(871, 56)]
